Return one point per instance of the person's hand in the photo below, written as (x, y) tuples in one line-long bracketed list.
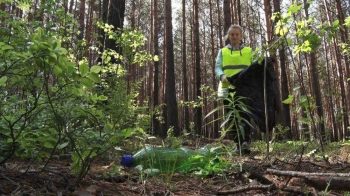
[(223, 79)]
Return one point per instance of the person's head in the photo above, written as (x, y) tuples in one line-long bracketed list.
[(234, 35)]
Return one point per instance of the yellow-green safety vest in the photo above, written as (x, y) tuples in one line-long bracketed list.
[(234, 61)]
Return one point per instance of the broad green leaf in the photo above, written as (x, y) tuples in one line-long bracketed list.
[(335, 23), (84, 69), (95, 69), (94, 77), (156, 58), (87, 82), (24, 5), (3, 80), (294, 8), (63, 145), (347, 21), (102, 98), (5, 47), (48, 145), (289, 100), (57, 70), (52, 56)]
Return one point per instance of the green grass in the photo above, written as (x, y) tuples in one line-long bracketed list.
[(285, 148)]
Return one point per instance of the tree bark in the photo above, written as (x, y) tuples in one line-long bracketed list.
[(268, 14), (215, 124), (315, 84), (227, 15), (170, 90), (184, 67), (90, 31), (155, 32), (198, 110), (81, 18), (286, 121), (345, 117), (345, 39), (334, 126), (2, 6), (219, 21), (306, 174), (71, 6), (115, 17), (239, 12)]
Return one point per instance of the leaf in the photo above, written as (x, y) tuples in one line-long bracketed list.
[(102, 98), (347, 21), (5, 47), (84, 69), (63, 145), (94, 77), (335, 23), (96, 69), (57, 70), (294, 8), (128, 132), (87, 82), (289, 100), (3, 81), (48, 145), (156, 58)]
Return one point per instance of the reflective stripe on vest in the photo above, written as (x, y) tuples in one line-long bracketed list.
[(234, 61)]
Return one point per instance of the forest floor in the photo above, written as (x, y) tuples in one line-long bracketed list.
[(290, 170)]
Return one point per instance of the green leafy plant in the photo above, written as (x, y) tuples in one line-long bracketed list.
[(233, 120), (53, 100)]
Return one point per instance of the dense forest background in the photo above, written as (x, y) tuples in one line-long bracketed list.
[(162, 53), (88, 79), (308, 38)]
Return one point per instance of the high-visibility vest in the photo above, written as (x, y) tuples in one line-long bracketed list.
[(234, 61)]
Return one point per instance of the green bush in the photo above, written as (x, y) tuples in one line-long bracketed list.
[(50, 103)]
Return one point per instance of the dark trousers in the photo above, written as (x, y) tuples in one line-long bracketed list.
[(243, 131)]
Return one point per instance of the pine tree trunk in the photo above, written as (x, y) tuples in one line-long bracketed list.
[(71, 6), (81, 19), (115, 17), (219, 21), (269, 39), (89, 31), (345, 39), (330, 97), (65, 6), (2, 6), (286, 121), (345, 117), (233, 11), (155, 32), (170, 91), (239, 12), (198, 110), (315, 84), (215, 126), (227, 15), (184, 67), (268, 14)]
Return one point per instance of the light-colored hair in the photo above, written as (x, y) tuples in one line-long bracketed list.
[(234, 26)]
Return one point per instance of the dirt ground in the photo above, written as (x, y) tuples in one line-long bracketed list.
[(257, 176)]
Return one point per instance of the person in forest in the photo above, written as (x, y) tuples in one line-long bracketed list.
[(230, 62)]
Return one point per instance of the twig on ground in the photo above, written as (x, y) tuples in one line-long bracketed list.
[(305, 174), (9, 179), (247, 188), (298, 190)]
